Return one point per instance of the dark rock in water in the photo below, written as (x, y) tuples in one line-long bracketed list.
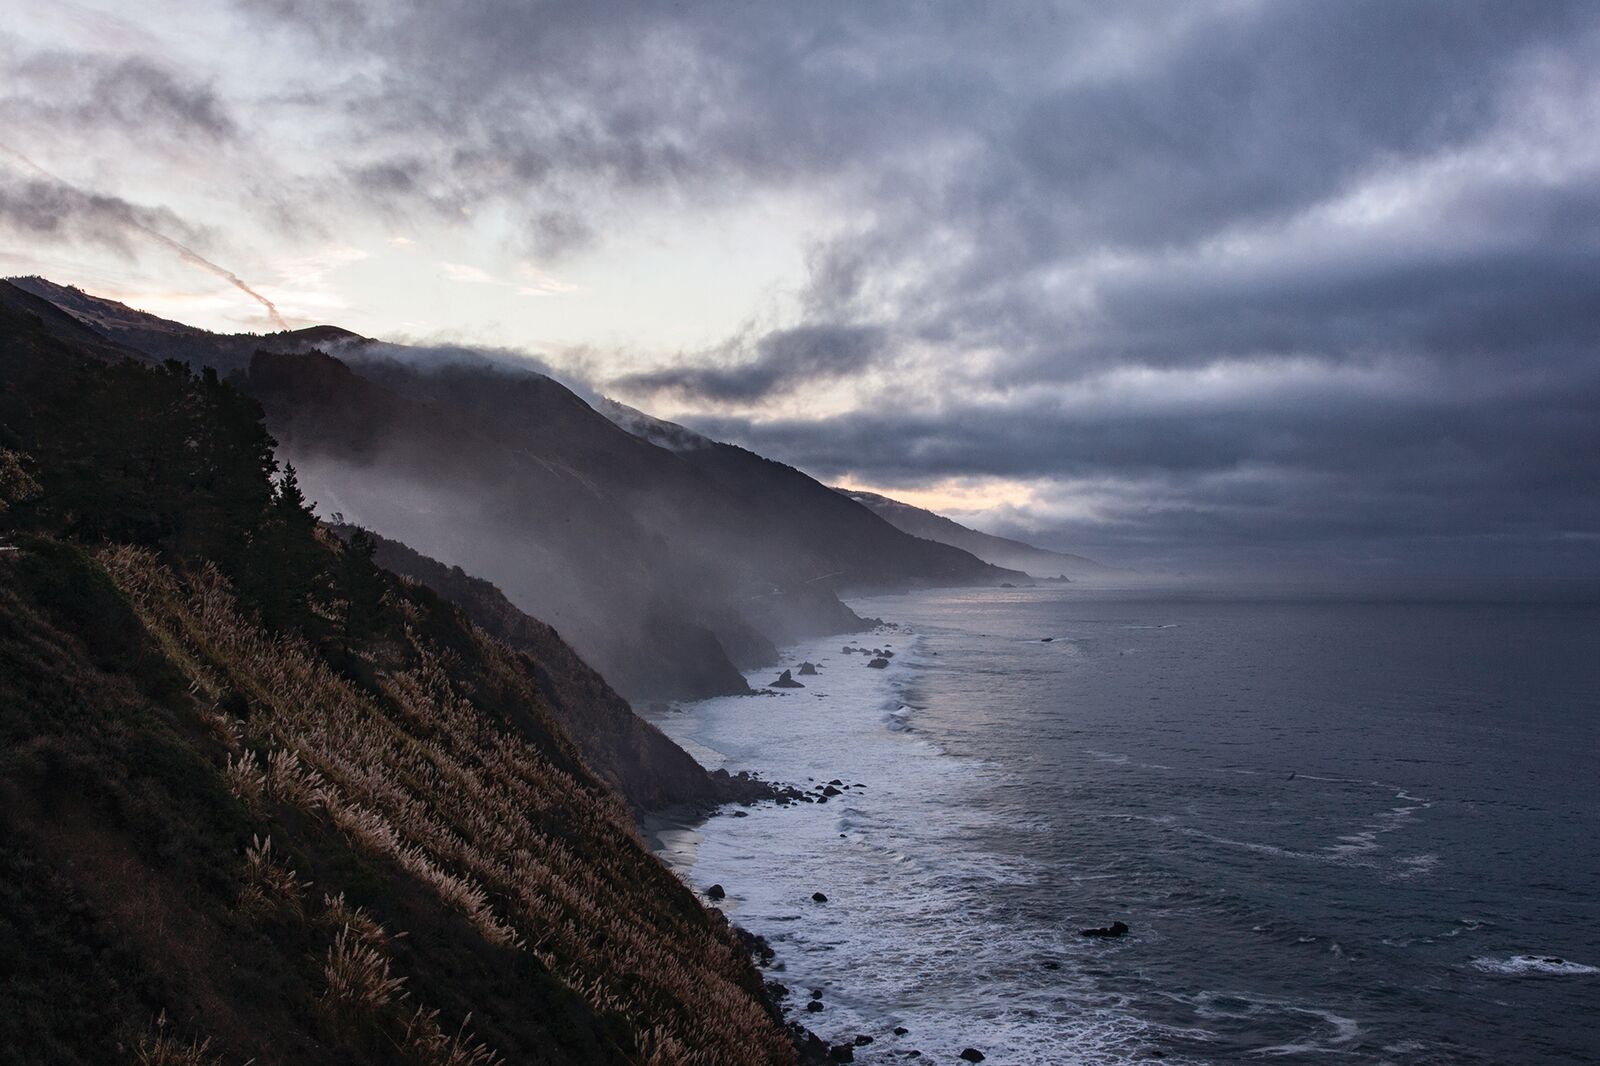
[(816, 993), (786, 680), (1051, 964), (877, 651), (815, 1006), (842, 1053), (822, 799), (901, 1030), (863, 1040), (836, 781), (879, 663), (716, 892), (741, 814), (776, 990), (831, 791), (913, 1054), (819, 897), (972, 1054), (807, 669), (1007, 585), (1114, 929), (847, 650), (1046, 640)]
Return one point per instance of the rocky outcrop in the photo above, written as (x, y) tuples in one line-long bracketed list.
[(1115, 929)]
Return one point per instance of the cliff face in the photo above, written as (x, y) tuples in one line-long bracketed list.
[(256, 790), (630, 754)]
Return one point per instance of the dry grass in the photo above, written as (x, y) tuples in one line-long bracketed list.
[(160, 1047), (534, 859), (269, 883), (358, 985)]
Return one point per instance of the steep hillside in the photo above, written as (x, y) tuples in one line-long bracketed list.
[(632, 755), (1001, 551), (667, 569), (258, 791)]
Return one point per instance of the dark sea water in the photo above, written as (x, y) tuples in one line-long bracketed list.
[(1341, 830)]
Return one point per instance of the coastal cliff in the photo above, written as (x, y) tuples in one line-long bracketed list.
[(262, 799)]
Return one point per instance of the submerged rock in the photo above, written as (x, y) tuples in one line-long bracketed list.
[(1114, 929), (786, 680)]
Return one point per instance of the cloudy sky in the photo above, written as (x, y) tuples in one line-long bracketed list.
[(1247, 285)]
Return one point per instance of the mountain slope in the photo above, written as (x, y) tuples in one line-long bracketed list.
[(1001, 551), (255, 789), (665, 568)]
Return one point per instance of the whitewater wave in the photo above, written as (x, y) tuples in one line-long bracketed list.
[(1534, 966)]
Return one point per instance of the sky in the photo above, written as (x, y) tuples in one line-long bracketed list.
[(1291, 287)]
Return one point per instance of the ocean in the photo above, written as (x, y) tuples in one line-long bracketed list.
[(1340, 829)]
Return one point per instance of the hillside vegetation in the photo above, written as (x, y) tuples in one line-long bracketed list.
[(261, 799)]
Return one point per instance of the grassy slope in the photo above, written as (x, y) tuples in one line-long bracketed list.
[(151, 735)]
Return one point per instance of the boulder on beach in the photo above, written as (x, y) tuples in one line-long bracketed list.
[(807, 669), (786, 680), (879, 663), (716, 892), (1114, 929)]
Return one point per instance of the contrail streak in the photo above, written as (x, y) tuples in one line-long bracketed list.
[(189, 255)]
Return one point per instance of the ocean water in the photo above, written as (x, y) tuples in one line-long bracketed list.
[(1340, 830)]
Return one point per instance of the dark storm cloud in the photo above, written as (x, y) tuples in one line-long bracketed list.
[(42, 207), (776, 360), (132, 95)]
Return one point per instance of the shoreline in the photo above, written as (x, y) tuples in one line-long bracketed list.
[(778, 870)]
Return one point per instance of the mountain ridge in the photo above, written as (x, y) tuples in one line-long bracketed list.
[(1000, 551), (669, 569)]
